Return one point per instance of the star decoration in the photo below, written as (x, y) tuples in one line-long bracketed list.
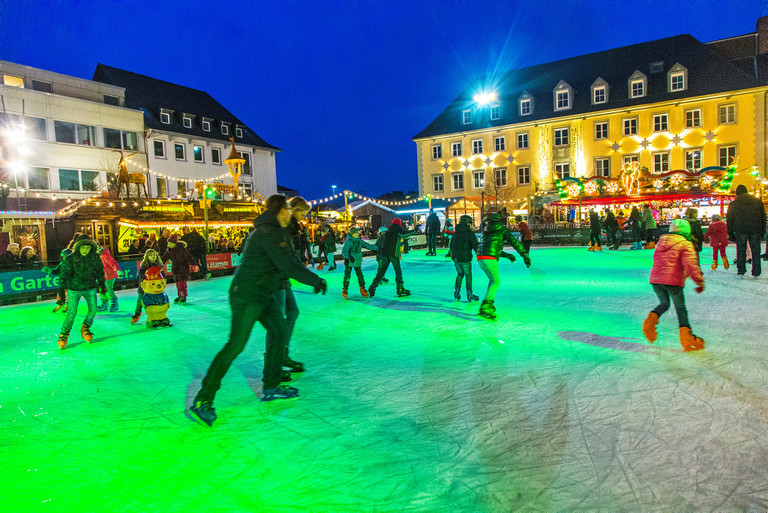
[(511, 158), (645, 143), (446, 165), (466, 163), (709, 136), (488, 161), (615, 146), (676, 140)]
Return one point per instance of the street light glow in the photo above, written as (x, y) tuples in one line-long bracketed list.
[(485, 98)]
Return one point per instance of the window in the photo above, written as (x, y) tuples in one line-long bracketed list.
[(13, 81), (224, 129), (677, 81), (187, 120), (111, 100), (239, 132), (197, 154), (561, 136), (660, 123), (523, 175), (562, 100), (74, 134), (495, 112), (458, 181), (563, 170), (74, 180), (630, 158), (90, 180), (247, 163), (162, 187), (500, 173), (181, 187), (598, 95), (525, 107), (456, 149), (178, 149), (637, 88), (499, 143), (216, 156), (44, 87), (206, 125), (726, 114), (693, 159), (437, 183), (466, 117), (165, 117), (630, 126), (727, 155), (437, 151), (660, 162), (478, 179), (36, 128), (657, 67), (601, 130), (522, 141), (692, 118), (603, 166), (477, 146), (159, 148), (120, 139), (37, 178)]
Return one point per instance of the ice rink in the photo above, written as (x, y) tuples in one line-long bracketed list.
[(412, 404)]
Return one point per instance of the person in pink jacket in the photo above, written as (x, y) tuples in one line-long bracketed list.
[(717, 236), (674, 260), (110, 274)]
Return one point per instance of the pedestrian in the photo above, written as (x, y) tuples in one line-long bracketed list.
[(162, 242), (495, 235), (10, 259), (134, 249), (594, 231), (390, 254), (526, 235), (432, 231), (746, 225), (266, 258), (463, 243), (28, 258), (181, 264), (673, 261), (151, 259), (83, 275), (352, 252), (111, 270), (650, 227), (198, 248)]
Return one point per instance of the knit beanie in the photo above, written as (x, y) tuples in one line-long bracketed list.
[(397, 221)]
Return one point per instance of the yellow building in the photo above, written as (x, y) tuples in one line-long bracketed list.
[(671, 104)]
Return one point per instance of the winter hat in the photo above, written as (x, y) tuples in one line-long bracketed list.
[(354, 230), (397, 221), (741, 189), (65, 252), (173, 238), (382, 229), (717, 217), (154, 273), (465, 219), (680, 227)]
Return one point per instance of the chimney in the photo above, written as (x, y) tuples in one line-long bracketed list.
[(762, 35)]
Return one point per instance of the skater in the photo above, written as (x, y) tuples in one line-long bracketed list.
[(390, 254), (495, 235), (327, 248), (650, 227), (594, 231), (181, 263), (717, 236), (611, 227), (380, 244), (266, 258), (635, 222), (61, 290), (82, 274), (462, 245), (746, 225), (432, 231), (449, 231), (111, 270), (526, 235), (352, 251), (198, 248), (697, 236), (151, 259), (673, 261)]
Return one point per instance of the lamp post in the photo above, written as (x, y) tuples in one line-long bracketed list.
[(235, 163), (333, 190)]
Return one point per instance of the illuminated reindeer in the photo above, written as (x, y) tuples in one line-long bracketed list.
[(124, 177), (630, 177)]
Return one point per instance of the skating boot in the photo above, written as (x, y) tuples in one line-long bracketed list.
[(182, 300), (599, 248), (208, 276), (649, 327), (402, 291), (177, 300), (726, 265), (281, 392), (471, 297), (59, 306), (63, 340), (591, 247), (689, 341), (487, 310), (66, 307), (165, 322), (293, 365), (113, 306), (344, 293), (714, 265), (371, 291), (204, 411), (363, 292), (320, 266), (102, 307), (457, 294), (85, 332), (135, 318)]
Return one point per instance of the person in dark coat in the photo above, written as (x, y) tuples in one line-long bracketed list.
[(697, 235), (594, 231), (198, 248), (162, 242), (10, 259), (181, 264), (463, 243), (432, 231), (611, 226), (746, 225), (266, 260), (390, 254), (635, 225)]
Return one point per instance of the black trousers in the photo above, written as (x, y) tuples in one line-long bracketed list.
[(741, 253), (674, 292), (385, 261), (463, 269), (348, 273), (431, 242)]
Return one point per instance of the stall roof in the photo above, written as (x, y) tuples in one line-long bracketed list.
[(422, 206), (355, 205), (612, 200)]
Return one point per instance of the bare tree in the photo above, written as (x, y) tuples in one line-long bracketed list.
[(498, 189)]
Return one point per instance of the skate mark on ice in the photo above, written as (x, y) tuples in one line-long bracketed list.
[(607, 342), (420, 306)]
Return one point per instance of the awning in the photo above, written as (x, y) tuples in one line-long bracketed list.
[(614, 200)]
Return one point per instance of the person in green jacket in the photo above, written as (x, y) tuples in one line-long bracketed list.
[(650, 227), (82, 273)]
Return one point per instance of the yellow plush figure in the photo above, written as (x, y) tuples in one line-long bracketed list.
[(155, 299)]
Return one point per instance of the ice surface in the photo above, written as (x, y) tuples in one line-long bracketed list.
[(412, 404)]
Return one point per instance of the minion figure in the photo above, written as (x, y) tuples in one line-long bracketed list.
[(155, 299)]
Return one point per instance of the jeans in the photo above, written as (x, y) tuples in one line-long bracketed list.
[(385, 261), (664, 293), (636, 233), (244, 316), (348, 273), (73, 300), (431, 243), (110, 295), (286, 302), (741, 253), (463, 269), (139, 302), (490, 267)]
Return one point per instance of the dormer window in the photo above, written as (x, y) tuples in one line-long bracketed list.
[(238, 132), (657, 67), (187, 120), (495, 112), (466, 116), (206, 124), (638, 85), (526, 104), (599, 91), (224, 128), (165, 116), (562, 96), (677, 79)]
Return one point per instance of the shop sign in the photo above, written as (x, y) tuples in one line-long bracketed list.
[(26, 282)]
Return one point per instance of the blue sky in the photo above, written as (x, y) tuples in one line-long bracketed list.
[(342, 86)]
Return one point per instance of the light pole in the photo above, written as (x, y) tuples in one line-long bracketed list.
[(333, 190)]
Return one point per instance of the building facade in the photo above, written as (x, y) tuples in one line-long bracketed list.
[(670, 104)]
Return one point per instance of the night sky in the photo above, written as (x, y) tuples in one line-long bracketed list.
[(342, 86)]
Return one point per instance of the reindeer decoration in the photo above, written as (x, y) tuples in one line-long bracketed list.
[(124, 177), (630, 177)]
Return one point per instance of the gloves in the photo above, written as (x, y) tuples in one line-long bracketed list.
[(527, 260), (103, 289), (321, 287), (351, 259), (346, 262), (700, 288)]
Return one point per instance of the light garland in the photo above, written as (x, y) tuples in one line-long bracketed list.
[(147, 170)]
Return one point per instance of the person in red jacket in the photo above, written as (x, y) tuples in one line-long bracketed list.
[(526, 235), (111, 268), (674, 260), (717, 236)]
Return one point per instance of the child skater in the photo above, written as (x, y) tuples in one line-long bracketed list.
[(151, 259), (449, 231), (111, 268), (673, 261), (462, 245), (328, 247), (353, 259), (717, 236), (181, 263), (83, 274), (61, 290), (379, 244)]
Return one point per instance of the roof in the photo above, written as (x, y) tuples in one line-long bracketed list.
[(150, 95), (355, 205), (422, 206), (708, 73)]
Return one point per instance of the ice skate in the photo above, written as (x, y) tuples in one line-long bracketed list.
[(371, 291), (599, 248), (591, 247), (85, 332), (204, 411), (281, 392), (402, 291), (102, 307), (344, 293), (471, 297), (457, 294), (714, 265), (293, 365), (177, 300), (135, 318), (363, 292), (113, 306), (63, 340), (208, 276), (183, 300), (649, 327), (689, 341), (487, 310), (60, 307), (726, 265), (320, 266), (384, 280)]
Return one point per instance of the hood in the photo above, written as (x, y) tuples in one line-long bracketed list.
[(669, 240), (85, 242), (267, 218), (461, 227)]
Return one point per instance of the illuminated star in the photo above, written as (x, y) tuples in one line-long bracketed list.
[(709, 136), (466, 163), (446, 165), (645, 143), (615, 146), (511, 158), (676, 140), (488, 161)]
